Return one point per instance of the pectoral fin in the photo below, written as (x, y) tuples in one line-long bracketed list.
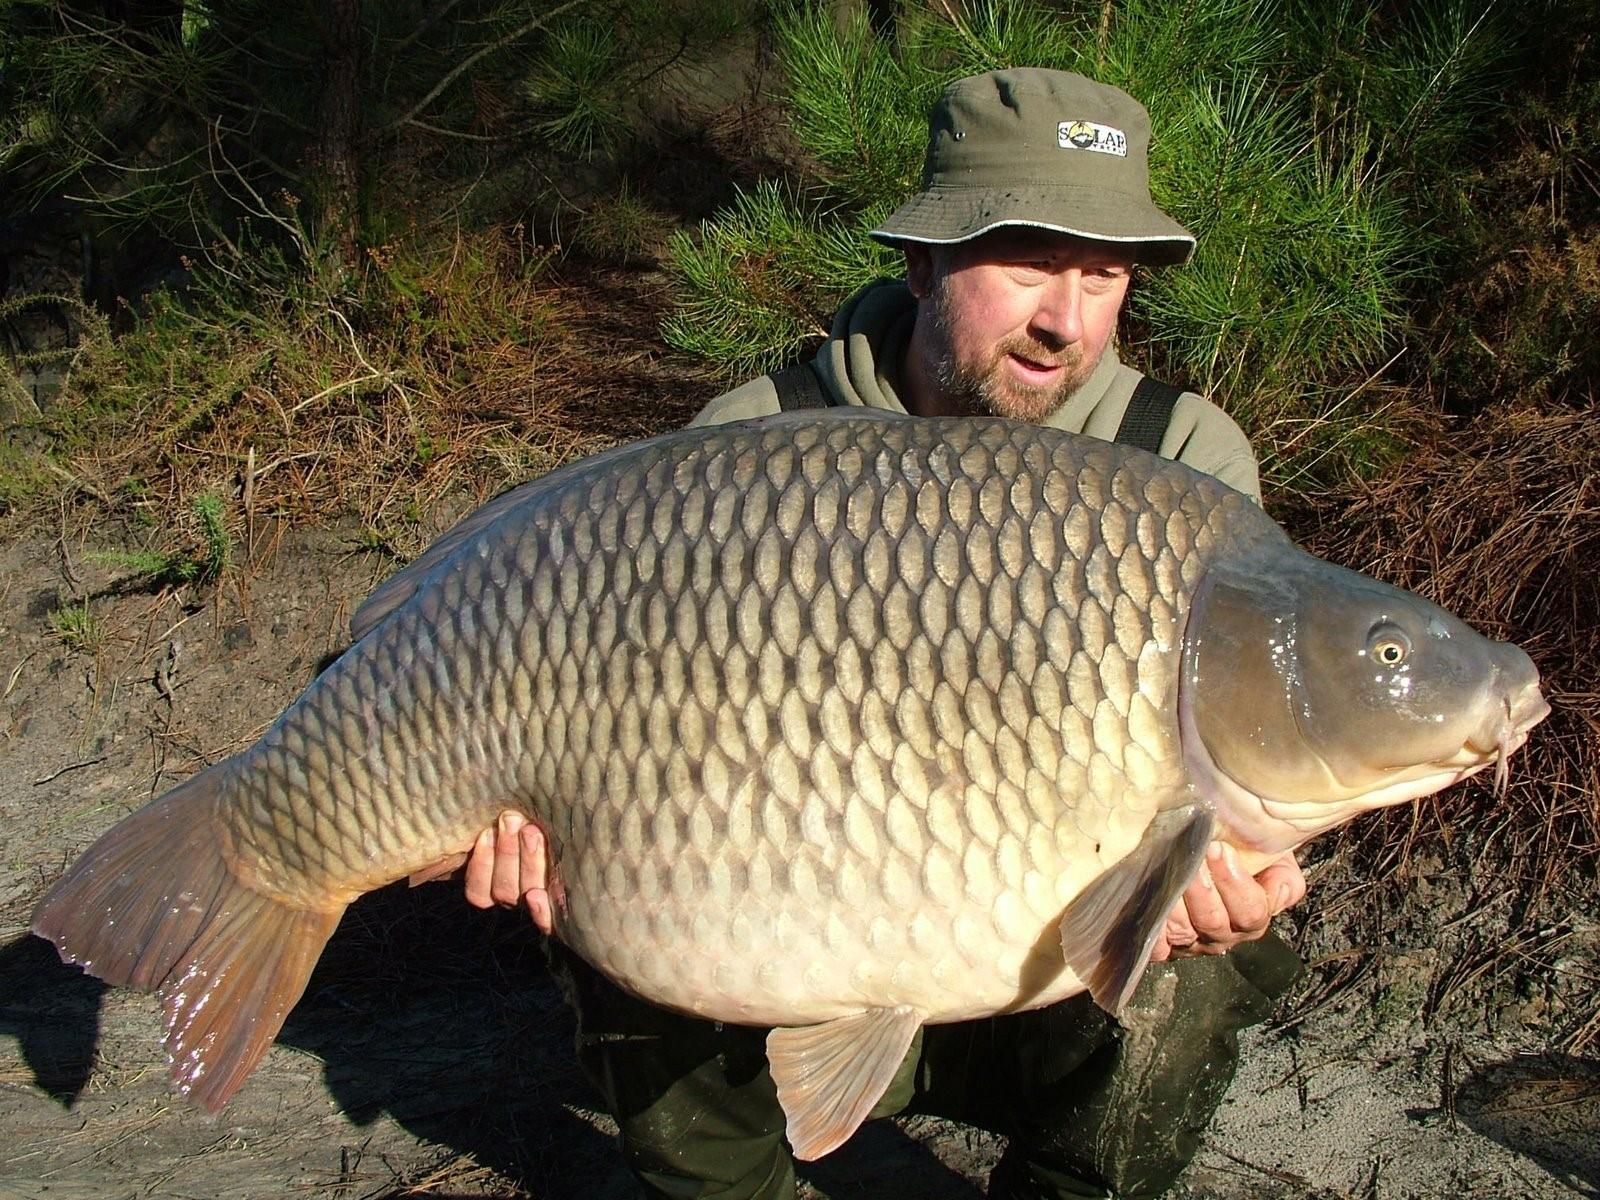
[(1108, 931), (830, 1075)]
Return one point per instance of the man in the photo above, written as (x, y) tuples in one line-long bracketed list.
[(1035, 210)]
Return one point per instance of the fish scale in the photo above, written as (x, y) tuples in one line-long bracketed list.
[(840, 723)]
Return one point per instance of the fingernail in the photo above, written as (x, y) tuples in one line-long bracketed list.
[(1230, 856), (1281, 901), (1214, 851)]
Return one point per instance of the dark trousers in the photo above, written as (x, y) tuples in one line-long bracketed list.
[(1092, 1106)]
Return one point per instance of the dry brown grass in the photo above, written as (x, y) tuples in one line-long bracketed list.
[(454, 372)]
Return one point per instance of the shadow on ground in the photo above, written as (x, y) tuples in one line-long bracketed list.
[(1546, 1106), (448, 1021), (53, 1010)]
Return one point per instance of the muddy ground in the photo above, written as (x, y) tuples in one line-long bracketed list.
[(431, 1054)]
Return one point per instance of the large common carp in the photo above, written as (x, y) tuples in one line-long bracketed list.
[(835, 723)]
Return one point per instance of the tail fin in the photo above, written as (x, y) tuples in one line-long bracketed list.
[(153, 905)]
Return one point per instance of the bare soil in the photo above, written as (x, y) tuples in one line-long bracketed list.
[(431, 1055)]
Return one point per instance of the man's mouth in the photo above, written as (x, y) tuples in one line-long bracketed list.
[(1032, 370)]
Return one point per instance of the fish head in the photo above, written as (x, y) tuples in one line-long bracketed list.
[(1311, 693)]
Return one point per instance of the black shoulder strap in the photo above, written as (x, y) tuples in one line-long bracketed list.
[(1149, 413), (799, 386)]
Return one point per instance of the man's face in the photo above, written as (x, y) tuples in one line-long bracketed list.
[(1016, 319)]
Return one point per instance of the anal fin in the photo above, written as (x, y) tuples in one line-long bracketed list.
[(829, 1076), (1109, 929)]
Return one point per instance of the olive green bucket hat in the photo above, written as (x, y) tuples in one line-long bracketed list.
[(1048, 149)]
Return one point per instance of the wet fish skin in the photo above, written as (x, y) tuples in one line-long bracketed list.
[(817, 690), (828, 718)]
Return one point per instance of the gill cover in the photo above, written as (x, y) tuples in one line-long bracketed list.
[(1307, 684)]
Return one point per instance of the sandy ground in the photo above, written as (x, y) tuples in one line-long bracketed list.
[(431, 1054)]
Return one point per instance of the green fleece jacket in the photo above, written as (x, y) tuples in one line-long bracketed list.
[(862, 359)]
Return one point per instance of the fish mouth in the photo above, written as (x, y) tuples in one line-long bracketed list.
[(1505, 734), (1491, 746)]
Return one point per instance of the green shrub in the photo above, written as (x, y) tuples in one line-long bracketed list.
[(576, 83), (622, 228), (585, 81), (765, 276)]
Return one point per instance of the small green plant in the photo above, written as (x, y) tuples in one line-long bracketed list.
[(217, 547), (23, 476), (621, 229), (158, 569), (587, 80), (206, 564), (576, 83), (78, 627)]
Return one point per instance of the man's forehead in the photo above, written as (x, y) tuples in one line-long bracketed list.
[(1027, 241)]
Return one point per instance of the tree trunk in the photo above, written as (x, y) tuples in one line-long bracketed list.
[(339, 148)]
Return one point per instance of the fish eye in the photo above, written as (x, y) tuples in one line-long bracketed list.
[(1388, 645)]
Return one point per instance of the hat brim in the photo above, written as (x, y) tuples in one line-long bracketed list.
[(946, 215)]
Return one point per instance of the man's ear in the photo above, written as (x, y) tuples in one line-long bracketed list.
[(919, 268)]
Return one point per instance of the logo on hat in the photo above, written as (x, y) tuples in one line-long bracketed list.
[(1088, 135)]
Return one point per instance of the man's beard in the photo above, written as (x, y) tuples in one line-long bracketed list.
[(989, 388)]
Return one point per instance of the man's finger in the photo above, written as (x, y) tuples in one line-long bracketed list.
[(1284, 882), (1204, 911), (480, 871), (1245, 903), (534, 867), (531, 857), (506, 886), (538, 902)]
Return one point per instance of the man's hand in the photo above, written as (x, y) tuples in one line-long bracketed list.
[(507, 866), (1224, 906)]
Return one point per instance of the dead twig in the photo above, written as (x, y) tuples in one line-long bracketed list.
[(77, 766)]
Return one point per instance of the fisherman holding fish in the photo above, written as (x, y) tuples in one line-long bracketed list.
[(1034, 213), (887, 745)]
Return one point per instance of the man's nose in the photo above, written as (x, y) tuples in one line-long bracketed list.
[(1059, 317)]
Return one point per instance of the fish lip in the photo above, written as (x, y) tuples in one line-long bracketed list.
[(1492, 742), (1498, 741)]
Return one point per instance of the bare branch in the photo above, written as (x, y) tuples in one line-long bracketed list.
[(471, 60)]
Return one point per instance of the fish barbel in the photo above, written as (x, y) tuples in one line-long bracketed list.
[(837, 723)]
